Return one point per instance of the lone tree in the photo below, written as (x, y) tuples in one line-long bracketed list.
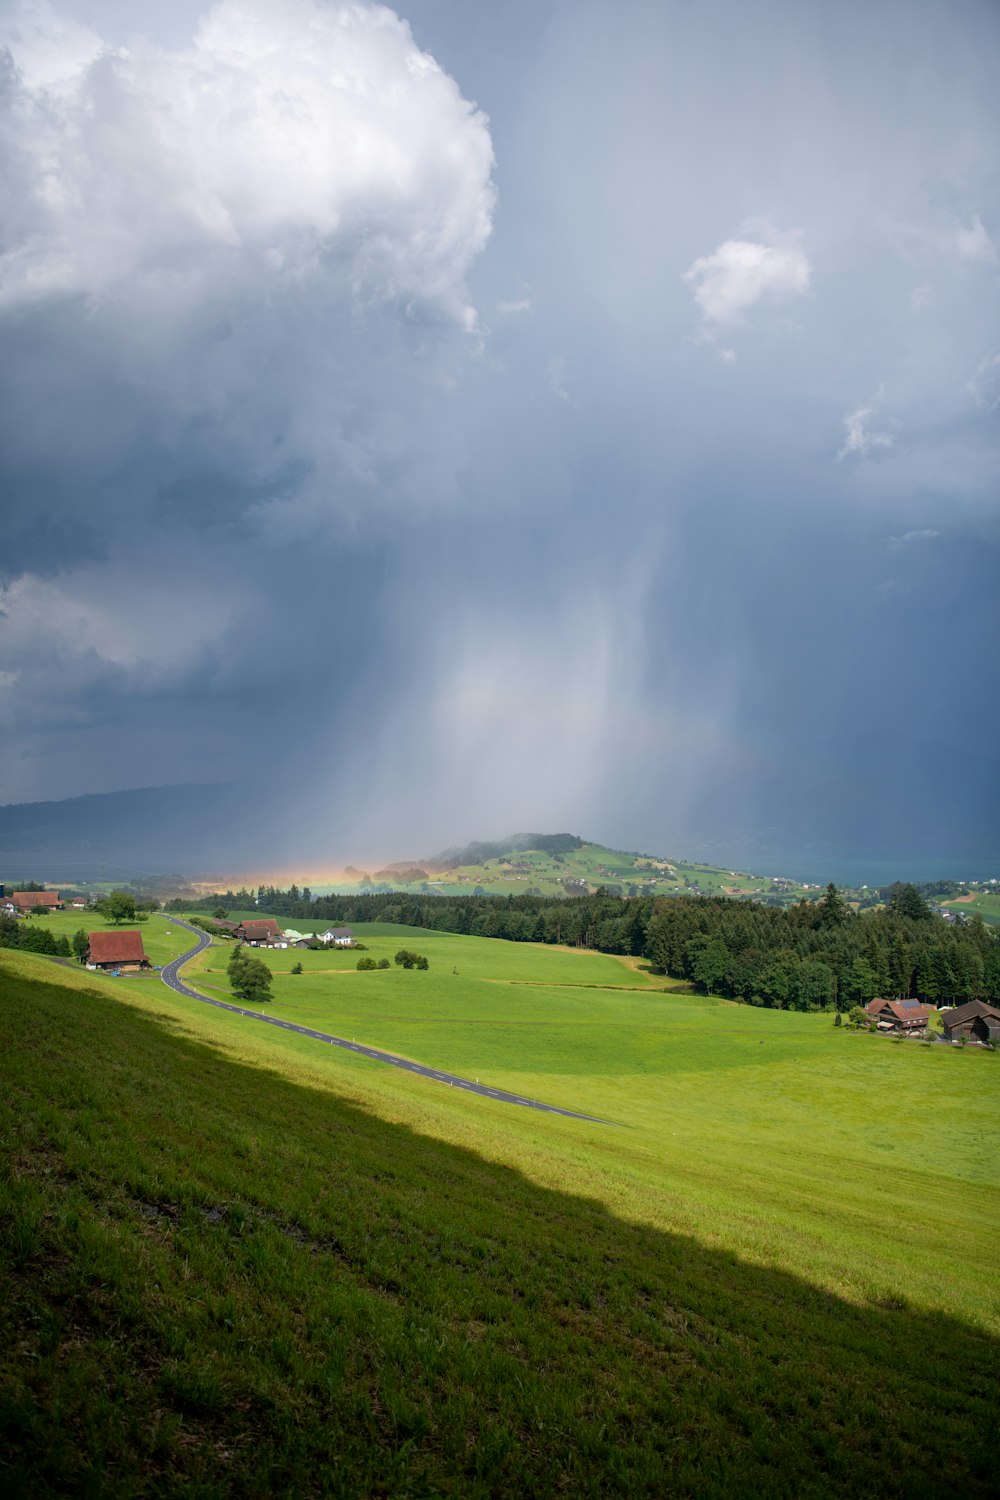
[(249, 977), (119, 907), (81, 942)]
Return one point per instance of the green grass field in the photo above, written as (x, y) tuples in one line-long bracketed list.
[(238, 1262)]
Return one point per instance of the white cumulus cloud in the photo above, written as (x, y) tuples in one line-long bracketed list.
[(743, 272), (289, 140), (248, 250)]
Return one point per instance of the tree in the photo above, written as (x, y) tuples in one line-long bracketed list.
[(813, 984), (249, 977), (119, 907), (860, 984), (296, 968), (832, 910), (219, 913), (907, 901), (81, 943)]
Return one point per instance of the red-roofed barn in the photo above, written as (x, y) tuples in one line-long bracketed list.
[(900, 1015), (117, 950), (33, 900)]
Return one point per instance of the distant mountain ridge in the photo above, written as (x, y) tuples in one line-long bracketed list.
[(148, 828)]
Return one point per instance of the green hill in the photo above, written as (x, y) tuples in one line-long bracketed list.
[(563, 864)]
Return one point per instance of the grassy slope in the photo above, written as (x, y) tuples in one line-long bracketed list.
[(238, 1261), (728, 1106)]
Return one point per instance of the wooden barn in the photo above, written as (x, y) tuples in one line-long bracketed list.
[(37, 900), (121, 951), (975, 1021), (900, 1015)]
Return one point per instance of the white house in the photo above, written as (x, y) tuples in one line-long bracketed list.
[(341, 937)]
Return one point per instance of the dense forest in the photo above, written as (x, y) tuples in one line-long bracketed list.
[(811, 955)]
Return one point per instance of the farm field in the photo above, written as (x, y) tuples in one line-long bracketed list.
[(240, 1261), (985, 904)]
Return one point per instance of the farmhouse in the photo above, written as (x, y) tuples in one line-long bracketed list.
[(975, 1021), (37, 900), (341, 937), (260, 932), (117, 950), (899, 1015)]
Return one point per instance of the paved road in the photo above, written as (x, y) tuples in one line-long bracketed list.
[(171, 977)]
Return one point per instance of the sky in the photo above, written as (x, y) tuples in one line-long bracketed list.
[(472, 418)]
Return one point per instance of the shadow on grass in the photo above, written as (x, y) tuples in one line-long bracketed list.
[(218, 1280)]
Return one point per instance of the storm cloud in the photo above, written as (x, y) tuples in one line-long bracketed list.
[(476, 418)]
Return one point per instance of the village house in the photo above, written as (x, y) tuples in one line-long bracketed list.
[(27, 901), (341, 937), (975, 1021), (119, 951), (906, 1016), (260, 932)]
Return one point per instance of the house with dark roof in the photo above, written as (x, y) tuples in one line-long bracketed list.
[(37, 900), (341, 937), (906, 1016), (121, 952), (260, 932), (975, 1021)]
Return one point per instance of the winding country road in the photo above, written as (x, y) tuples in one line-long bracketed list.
[(170, 974)]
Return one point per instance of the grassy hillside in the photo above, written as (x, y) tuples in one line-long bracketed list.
[(237, 1262)]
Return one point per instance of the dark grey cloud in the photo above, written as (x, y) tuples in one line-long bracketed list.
[(656, 497)]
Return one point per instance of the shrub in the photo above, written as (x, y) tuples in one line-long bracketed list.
[(296, 968), (367, 963), (384, 963), (411, 960)]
